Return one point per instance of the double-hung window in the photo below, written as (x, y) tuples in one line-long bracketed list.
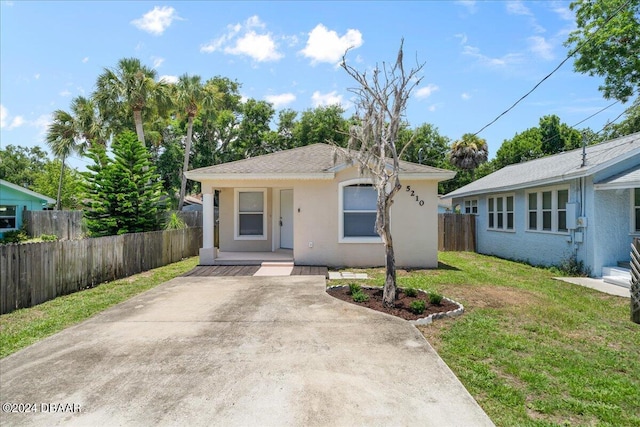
[(358, 209), (500, 212), (471, 206), (7, 217), (250, 214), (547, 210)]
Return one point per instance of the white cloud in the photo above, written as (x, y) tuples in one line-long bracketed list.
[(280, 100), (157, 20), (425, 92), (8, 122), (85, 59), (42, 123), (157, 61), (260, 47), (469, 4), (541, 47), (516, 7), (508, 59), (168, 79), (562, 11), (325, 45), (247, 39), (432, 107), (36, 76), (465, 96), (324, 99), (462, 37), (65, 93)]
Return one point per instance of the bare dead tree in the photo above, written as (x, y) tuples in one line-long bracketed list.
[(381, 100)]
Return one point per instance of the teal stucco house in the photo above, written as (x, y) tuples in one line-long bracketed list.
[(14, 200)]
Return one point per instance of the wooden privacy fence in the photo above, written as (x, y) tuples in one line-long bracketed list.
[(33, 273), (67, 225), (456, 232)]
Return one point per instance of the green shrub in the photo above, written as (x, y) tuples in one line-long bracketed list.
[(14, 236), (410, 292), (49, 237), (417, 306), (360, 296), (354, 288), (572, 267), (175, 222), (435, 298)]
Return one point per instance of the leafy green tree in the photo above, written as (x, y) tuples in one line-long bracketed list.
[(254, 129), (322, 124), (21, 165), (130, 88), (427, 147), (72, 188), (608, 35), (522, 147), (124, 193), (630, 124), (469, 152)]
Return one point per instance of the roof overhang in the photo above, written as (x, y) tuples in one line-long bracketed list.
[(200, 177), (42, 197)]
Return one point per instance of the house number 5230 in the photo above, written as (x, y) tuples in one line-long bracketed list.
[(412, 193)]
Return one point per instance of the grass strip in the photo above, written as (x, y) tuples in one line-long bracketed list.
[(24, 327)]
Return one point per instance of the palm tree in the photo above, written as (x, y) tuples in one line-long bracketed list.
[(88, 122), (469, 152), (62, 138), (190, 96), (133, 86)]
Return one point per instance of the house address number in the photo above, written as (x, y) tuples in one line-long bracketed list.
[(412, 193)]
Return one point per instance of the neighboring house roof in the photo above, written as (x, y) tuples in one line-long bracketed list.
[(316, 161), (193, 200), (626, 179), (27, 191), (555, 168)]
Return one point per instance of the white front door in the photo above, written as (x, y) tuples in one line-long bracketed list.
[(286, 219)]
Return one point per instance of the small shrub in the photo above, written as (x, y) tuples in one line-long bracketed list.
[(417, 306), (572, 267), (354, 288), (14, 236), (435, 298), (175, 222), (48, 237), (360, 296), (410, 292)]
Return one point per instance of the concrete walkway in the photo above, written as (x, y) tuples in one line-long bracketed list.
[(236, 351), (598, 285)]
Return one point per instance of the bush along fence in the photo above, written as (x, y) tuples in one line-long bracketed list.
[(33, 273), (456, 232), (69, 225)]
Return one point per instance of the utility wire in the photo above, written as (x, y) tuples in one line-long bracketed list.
[(569, 56)]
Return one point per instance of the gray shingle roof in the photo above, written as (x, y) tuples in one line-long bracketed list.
[(307, 160), (628, 178), (555, 168)]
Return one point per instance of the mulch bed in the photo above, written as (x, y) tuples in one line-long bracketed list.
[(402, 303)]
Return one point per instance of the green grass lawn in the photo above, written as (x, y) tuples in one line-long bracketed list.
[(24, 327), (532, 350)]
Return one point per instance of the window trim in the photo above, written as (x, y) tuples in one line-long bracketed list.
[(236, 214), (473, 205), (15, 218), (341, 236), (505, 212), (555, 212), (635, 228)]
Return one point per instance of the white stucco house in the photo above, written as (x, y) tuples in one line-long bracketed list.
[(314, 208), (582, 203)]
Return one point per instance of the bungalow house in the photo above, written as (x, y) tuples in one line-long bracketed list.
[(314, 208), (583, 203), (15, 199)]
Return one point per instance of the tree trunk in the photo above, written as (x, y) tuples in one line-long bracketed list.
[(389, 291), (137, 118), (635, 281), (59, 201), (185, 166)]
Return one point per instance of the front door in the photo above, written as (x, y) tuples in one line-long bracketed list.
[(286, 219)]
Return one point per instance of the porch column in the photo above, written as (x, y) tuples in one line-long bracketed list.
[(208, 251)]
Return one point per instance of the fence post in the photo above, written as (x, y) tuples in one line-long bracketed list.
[(635, 281)]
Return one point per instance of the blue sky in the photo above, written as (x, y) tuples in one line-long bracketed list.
[(480, 57)]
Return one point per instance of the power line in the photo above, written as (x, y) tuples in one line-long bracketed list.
[(555, 69), (596, 113)]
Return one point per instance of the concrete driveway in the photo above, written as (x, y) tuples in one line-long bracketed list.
[(235, 351)]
